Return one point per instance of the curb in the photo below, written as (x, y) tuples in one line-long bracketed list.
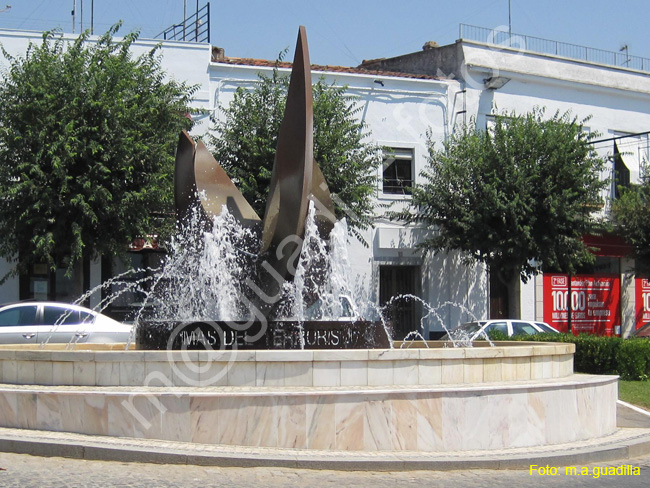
[(624, 444)]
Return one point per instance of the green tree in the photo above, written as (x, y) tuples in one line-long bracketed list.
[(245, 137), (631, 218), (517, 197), (87, 140)]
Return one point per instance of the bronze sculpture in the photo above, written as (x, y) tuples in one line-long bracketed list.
[(201, 183)]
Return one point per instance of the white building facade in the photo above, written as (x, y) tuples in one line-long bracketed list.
[(611, 91), (398, 111), (433, 91)]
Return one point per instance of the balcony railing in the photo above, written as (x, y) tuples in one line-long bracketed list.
[(545, 46)]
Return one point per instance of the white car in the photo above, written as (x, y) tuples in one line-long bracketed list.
[(479, 329), (33, 322)]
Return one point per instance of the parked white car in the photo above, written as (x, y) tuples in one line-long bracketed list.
[(479, 329), (34, 322)]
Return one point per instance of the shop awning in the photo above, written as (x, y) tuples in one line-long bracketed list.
[(609, 245)]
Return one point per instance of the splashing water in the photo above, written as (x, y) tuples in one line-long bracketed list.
[(321, 278), (457, 339), (410, 339), (204, 273)]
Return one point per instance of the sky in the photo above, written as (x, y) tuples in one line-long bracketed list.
[(345, 32)]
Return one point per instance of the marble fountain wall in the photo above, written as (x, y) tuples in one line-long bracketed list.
[(437, 399)]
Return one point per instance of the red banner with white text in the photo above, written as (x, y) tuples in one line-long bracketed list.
[(642, 299), (595, 303)]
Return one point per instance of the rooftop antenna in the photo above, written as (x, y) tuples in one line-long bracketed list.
[(626, 49), (510, 21)]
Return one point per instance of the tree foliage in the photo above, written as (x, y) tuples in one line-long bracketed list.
[(631, 217), (519, 195), (87, 139), (245, 139)]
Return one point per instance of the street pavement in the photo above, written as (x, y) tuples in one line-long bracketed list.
[(24, 471)]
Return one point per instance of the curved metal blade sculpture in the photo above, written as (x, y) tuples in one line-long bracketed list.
[(296, 179)]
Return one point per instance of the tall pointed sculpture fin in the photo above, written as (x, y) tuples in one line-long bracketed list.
[(291, 180)]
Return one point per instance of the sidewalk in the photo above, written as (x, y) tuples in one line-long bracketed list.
[(626, 443)]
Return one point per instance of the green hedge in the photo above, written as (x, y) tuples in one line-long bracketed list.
[(628, 358)]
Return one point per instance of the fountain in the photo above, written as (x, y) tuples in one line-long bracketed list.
[(272, 265), (267, 382)]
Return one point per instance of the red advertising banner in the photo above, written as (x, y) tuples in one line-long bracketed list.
[(642, 299), (595, 303)]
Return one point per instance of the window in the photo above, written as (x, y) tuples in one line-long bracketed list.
[(621, 172), (501, 327), (65, 316), (18, 316), (545, 327), (523, 328), (630, 156), (398, 171)]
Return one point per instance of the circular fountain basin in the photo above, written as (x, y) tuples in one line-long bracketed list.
[(426, 399)]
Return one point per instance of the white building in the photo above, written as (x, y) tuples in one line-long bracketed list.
[(436, 89), (398, 109), (502, 73)]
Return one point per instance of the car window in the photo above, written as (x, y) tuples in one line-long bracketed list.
[(545, 327), (85, 317), (519, 328), (497, 326), (65, 316), (463, 331), (59, 316), (25, 315)]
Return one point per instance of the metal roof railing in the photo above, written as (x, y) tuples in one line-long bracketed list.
[(196, 28), (505, 39)]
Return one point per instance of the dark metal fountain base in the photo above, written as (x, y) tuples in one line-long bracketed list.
[(218, 335)]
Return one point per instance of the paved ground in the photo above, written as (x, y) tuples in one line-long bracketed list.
[(24, 471)]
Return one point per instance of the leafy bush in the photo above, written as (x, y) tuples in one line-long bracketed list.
[(633, 359), (628, 358)]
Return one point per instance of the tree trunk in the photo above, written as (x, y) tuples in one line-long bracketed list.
[(78, 279), (514, 297)]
